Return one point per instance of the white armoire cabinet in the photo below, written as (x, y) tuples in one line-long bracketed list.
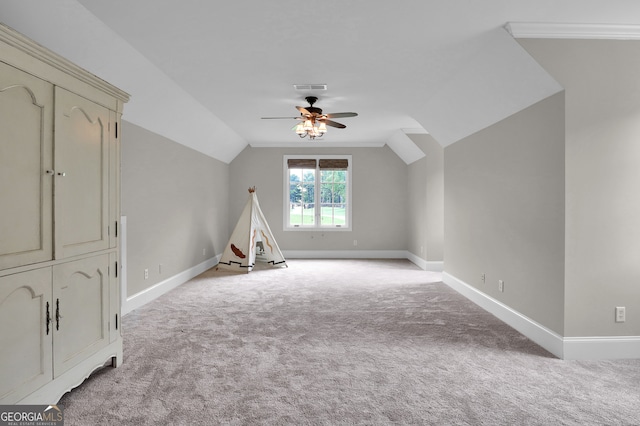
[(59, 212)]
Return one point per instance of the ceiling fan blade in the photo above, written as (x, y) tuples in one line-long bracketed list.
[(332, 123), (303, 110), (280, 118), (342, 114)]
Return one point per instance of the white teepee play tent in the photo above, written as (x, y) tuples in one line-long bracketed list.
[(240, 252)]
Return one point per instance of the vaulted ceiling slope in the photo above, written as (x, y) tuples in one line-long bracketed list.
[(203, 73)]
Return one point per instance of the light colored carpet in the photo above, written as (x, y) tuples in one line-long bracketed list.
[(341, 342)]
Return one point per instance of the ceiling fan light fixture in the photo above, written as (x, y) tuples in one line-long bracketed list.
[(308, 126), (311, 128)]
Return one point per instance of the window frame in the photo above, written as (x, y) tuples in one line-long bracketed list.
[(286, 193)]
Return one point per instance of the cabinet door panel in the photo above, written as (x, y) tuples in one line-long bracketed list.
[(81, 159), (81, 310), (25, 348), (26, 113)]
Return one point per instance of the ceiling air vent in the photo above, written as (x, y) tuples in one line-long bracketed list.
[(307, 87)]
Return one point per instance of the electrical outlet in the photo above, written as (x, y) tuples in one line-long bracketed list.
[(501, 286), (355, 242), (204, 251), (146, 274), (620, 314), (159, 269), (483, 277)]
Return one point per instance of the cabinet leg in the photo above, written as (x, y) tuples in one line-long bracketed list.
[(116, 362)]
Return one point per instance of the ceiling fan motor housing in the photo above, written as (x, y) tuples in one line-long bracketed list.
[(313, 110)]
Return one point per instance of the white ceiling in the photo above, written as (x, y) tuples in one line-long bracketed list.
[(203, 73)]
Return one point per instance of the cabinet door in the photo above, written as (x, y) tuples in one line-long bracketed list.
[(81, 310), (25, 334), (81, 159), (26, 114)]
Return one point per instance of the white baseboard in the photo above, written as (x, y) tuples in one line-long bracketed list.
[(345, 254), (584, 348), (364, 254), (605, 347), (427, 265), (146, 296), (544, 337)]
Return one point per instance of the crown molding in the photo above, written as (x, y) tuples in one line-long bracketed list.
[(29, 47), (573, 31)]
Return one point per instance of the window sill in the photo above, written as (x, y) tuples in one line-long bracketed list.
[(317, 229)]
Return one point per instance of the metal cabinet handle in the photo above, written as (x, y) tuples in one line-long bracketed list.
[(48, 319), (62, 174), (50, 172), (58, 316)]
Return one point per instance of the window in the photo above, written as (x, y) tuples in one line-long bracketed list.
[(317, 192)]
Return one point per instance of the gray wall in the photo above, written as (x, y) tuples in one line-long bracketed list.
[(426, 200), (176, 203), (379, 185), (601, 81), (417, 208), (504, 198), (504, 211)]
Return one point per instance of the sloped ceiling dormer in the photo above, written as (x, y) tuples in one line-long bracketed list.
[(204, 73)]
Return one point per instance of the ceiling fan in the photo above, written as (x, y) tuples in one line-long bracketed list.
[(314, 122)]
